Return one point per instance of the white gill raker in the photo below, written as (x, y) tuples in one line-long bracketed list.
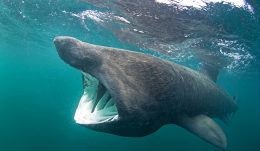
[(103, 118), (109, 99), (83, 109), (84, 102), (94, 103), (110, 103), (99, 94), (102, 102), (110, 111), (91, 87), (112, 118)]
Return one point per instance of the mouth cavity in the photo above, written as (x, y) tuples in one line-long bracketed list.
[(96, 104)]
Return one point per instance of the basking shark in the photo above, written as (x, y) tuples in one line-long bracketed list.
[(134, 94)]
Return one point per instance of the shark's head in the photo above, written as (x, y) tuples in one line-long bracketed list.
[(77, 54), (106, 100), (96, 105)]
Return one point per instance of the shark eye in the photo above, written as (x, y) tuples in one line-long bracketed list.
[(96, 104)]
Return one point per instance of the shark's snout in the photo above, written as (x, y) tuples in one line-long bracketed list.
[(65, 43), (80, 55), (61, 44), (57, 40), (69, 50)]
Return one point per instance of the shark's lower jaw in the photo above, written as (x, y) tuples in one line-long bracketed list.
[(96, 104)]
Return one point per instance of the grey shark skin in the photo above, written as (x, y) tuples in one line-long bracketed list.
[(146, 93)]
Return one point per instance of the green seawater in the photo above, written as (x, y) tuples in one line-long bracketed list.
[(39, 93)]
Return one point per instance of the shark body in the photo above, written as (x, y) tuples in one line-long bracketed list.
[(133, 94)]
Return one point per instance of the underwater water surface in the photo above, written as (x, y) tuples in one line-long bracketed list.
[(39, 93)]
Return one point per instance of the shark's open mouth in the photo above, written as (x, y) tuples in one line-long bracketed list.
[(96, 104)]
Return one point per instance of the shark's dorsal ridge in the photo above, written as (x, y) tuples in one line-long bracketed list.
[(210, 65), (210, 70)]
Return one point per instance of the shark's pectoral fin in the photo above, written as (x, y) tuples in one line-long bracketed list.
[(205, 128)]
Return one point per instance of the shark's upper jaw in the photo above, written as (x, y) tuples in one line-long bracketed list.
[(96, 105)]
